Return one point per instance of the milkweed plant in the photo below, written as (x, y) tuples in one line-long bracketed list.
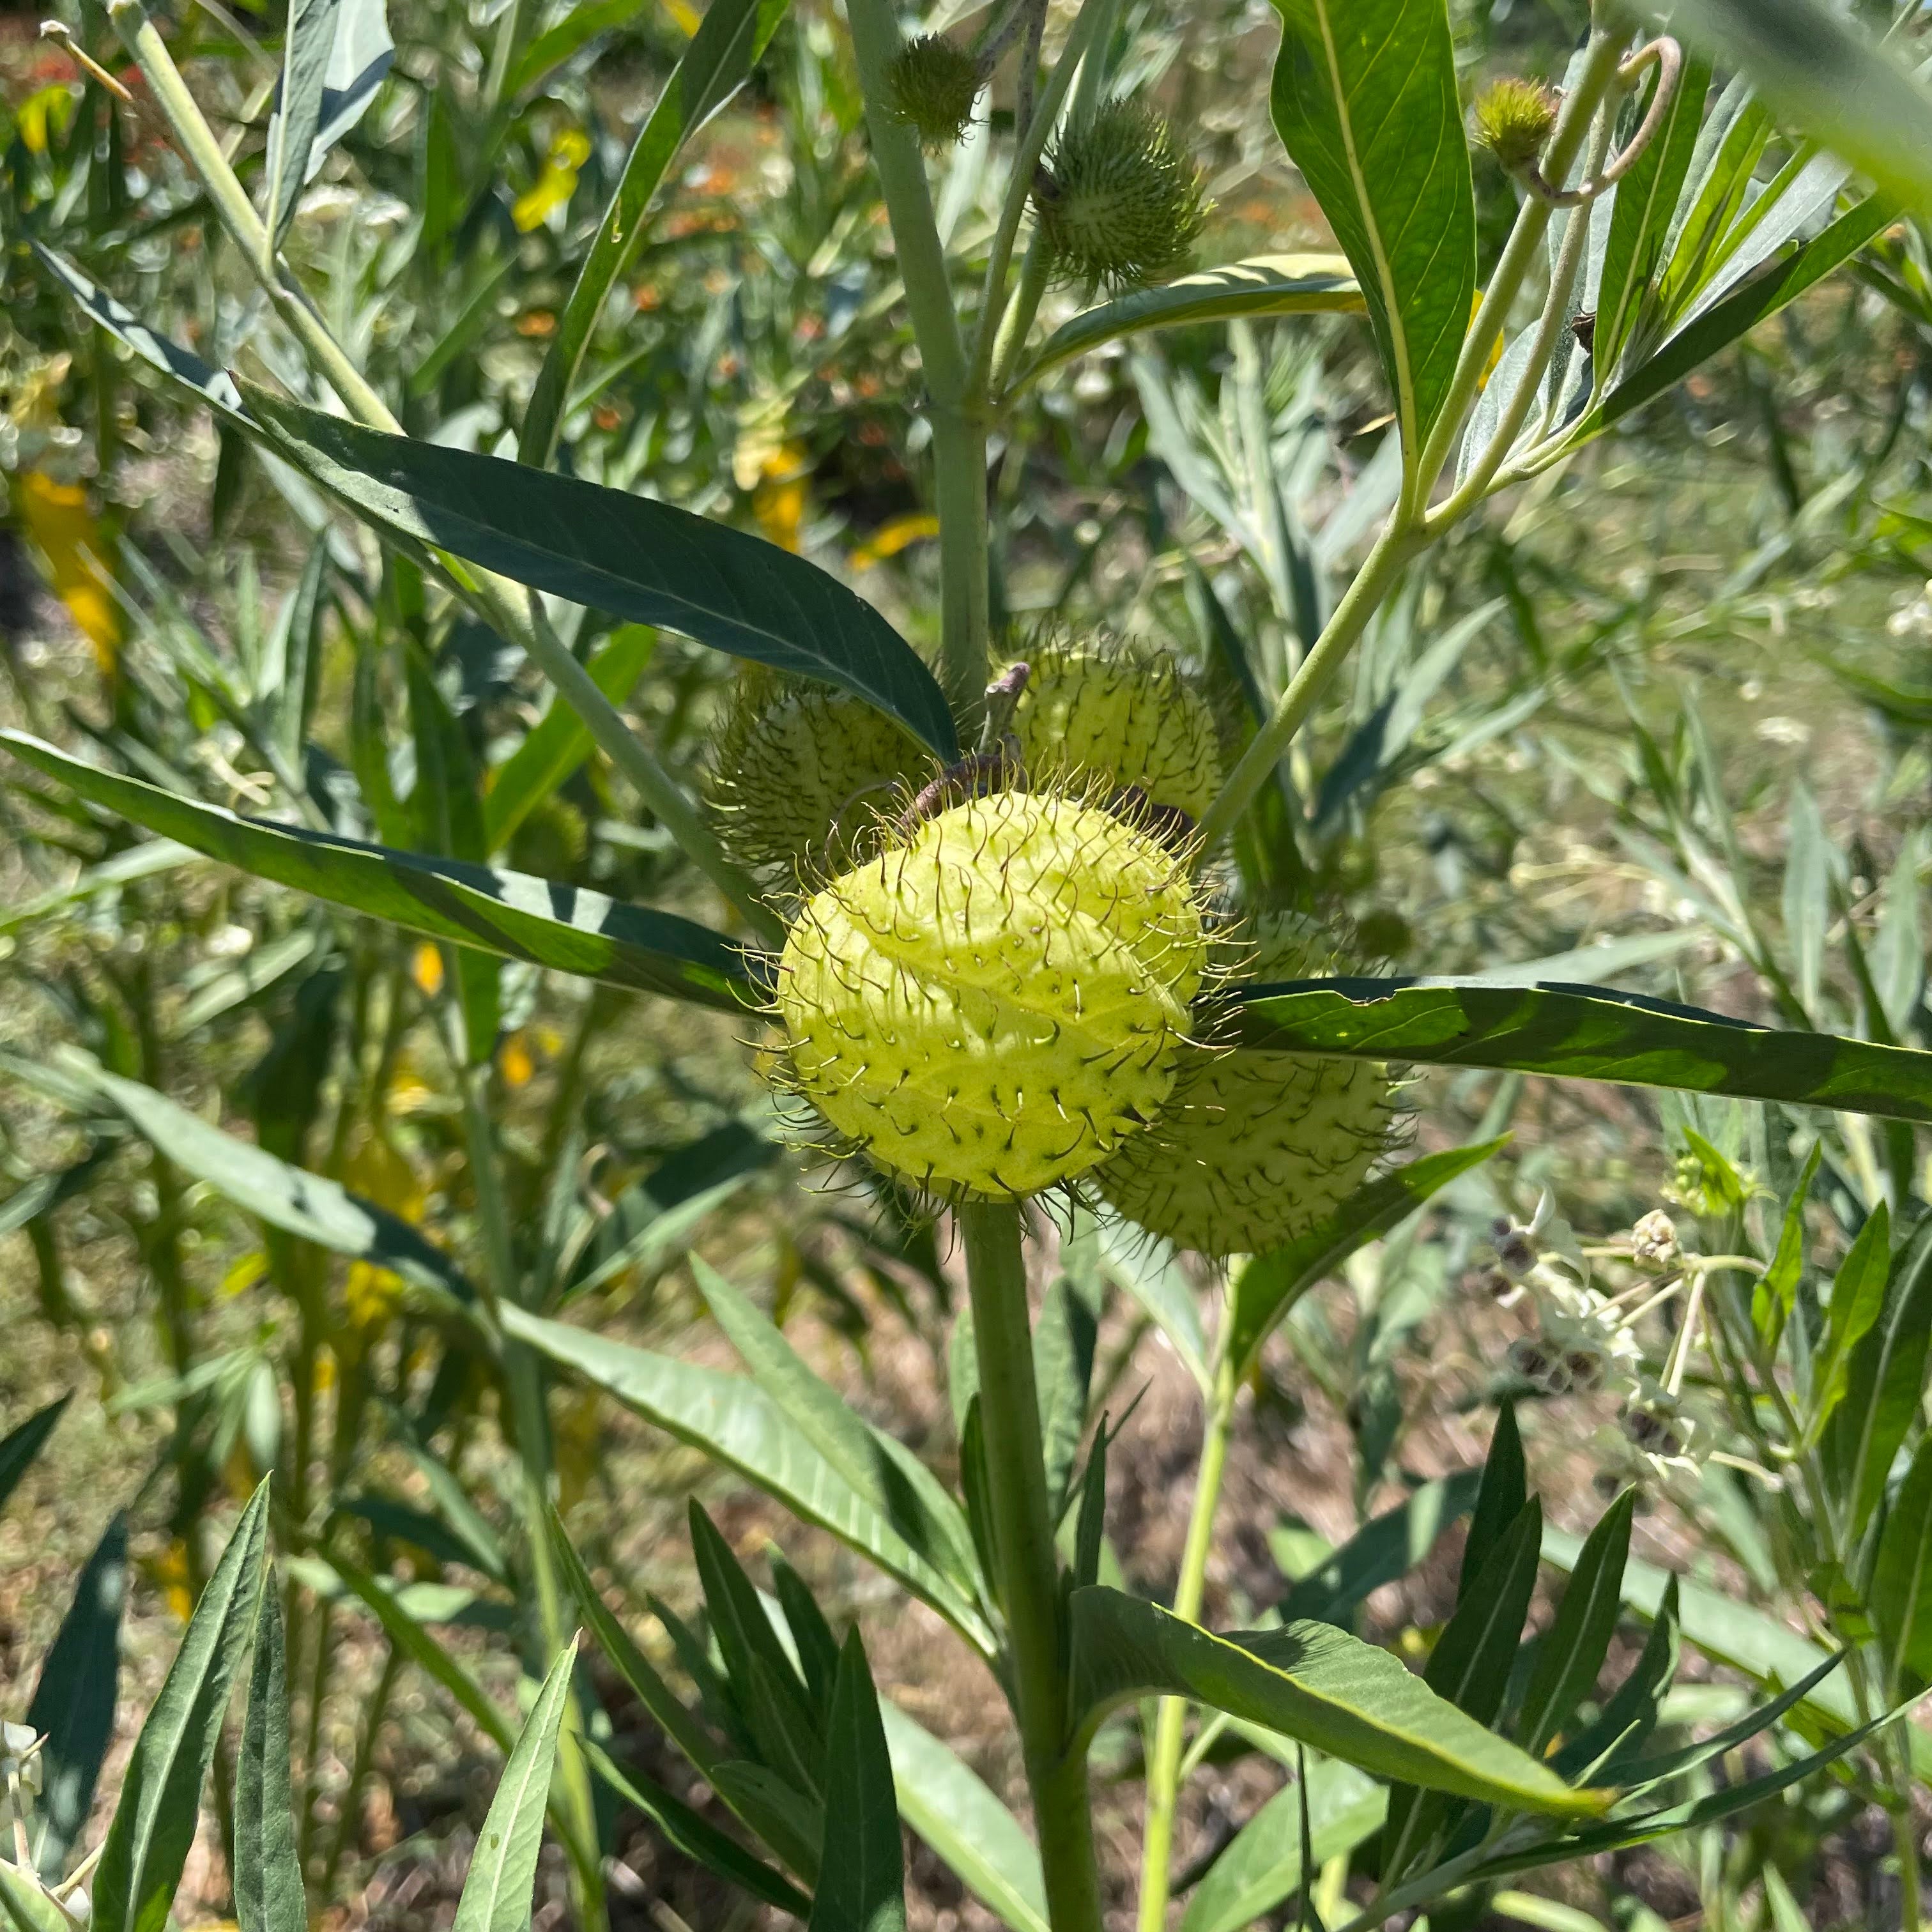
[(1011, 929)]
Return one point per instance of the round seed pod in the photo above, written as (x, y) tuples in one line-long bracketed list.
[(794, 765), (552, 841), (1253, 1149), (1119, 201), (995, 1002), (931, 86), (1101, 711)]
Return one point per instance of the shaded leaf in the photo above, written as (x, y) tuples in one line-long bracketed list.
[(307, 48), (631, 556), (1884, 1384), (862, 1867), (1585, 1032), (1505, 1489), (19, 1446), (268, 1880), (1390, 1547), (472, 905), (1900, 1597), (1578, 1639), (1858, 1296)]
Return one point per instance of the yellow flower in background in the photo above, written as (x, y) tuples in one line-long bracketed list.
[(686, 15), (889, 539), (1496, 347), (556, 184), (379, 1173), (779, 500), (168, 1573), (59, 520), (426, 969), (515, 1061), (42, 114)]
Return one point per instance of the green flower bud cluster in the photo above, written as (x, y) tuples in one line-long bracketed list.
[(1120, 203), (1515, 118), (930, 87)]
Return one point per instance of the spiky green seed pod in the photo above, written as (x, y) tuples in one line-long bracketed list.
[(995, 1003), (551, 841), (1253, 1149), (796, 767), (1120, 203), (1098, 708), (1514, 119), (931, 86)]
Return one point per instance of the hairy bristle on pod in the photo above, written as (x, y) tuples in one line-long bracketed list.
[(1119, 200), (931, 86), (1253, 1149), (797, 769), (1514, 118), (1099, 709), (994, 1003)]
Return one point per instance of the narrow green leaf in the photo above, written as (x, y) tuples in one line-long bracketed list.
[(722, 52), (1578, 1639), (1775, 1294), (576, 30), (1646, 198), (947, 1803), (154, 1823), (1806, 899), (308, 44), (1900, 1598), (1265, 285), (1858, 1295), (788, 1820), (1585, 1033), (631, 1663), (697, 1837), (1267, 1286), (1645, 1774), (1505, 1489), (1311, 1681), (1741, 310), (862, 1866), (1263, 1865), (18, 1447), (25, 1907), (881, 1470), (306, 1205), (1064, 1338), (1827, 77), (268, 1880), (1389, 1546), (811, 1636), (631, 556), (1884, 1385), (733, 1421), (471, 905), (1366, 102), (559, 741), (1631, 1715), (73, 1701), (138, 862), (498, 1893)]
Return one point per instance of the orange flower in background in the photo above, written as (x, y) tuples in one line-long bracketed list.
[(59, 520)]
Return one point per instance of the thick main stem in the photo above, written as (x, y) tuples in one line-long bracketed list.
[(1029, 1565), (1163, 1771)]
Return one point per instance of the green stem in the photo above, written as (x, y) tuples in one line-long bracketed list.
[(1035, 271), (1163, 1772), (1376, 578), (1028, 1563)]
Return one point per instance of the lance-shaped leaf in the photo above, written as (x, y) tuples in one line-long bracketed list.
[(1265, 285), (307, 1205), (21, 1444), (861, 1866), (1260, 1297), (1901, 1590), (1585, 1033), (1388, 1546), (730, 1419), (1885, 1383), (74, 1703), (1263, 1866), (268, 1880), (1312, 1681), (508, 914), (950, 1806), (307, 50), (729, 39), (160, 1797), (1365, 101), (630, 556), (1858, 1299), (497, 1893), (25, 1907)]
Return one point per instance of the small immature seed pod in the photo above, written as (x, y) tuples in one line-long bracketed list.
[(551, 842), (931, 86), (1100, 710), (1120, 203), (1255, 1148), (794, 766), (995, 1002), (1514, 118)]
